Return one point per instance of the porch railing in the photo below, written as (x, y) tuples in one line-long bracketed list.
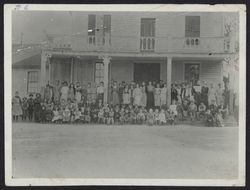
[(147, 43)]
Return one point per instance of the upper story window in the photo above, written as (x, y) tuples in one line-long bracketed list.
[(99, 29), (192, 26), (147, 27), (147, 42), (91, 29)]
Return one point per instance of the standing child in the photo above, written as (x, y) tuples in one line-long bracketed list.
[(101, 116), (132, 117), (25, 108), (122, 116), (43, 113), (87, 115), (173, 108), (111, 116), (156, 117), (126, 95), (30, 107), (185, 109), (163, 96), (192, 110)]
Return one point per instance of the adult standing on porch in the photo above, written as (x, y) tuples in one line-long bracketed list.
[(211, 94), (114, 92), (71, 92), (126, 95), (100, 92), (137, 93), (143, 95), (204, 93), (64, 91), (219, 96), (150, 95), (163, 96), (157, 96), (56, 92)]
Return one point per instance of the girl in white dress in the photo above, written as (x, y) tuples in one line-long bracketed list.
[(143, 95), (126, 95), (163, 96), (137, 93), (64, 91), (157, 95)]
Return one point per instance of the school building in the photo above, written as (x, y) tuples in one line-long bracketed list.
[(150, 46)]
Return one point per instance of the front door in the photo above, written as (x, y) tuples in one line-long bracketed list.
[(146, 72)]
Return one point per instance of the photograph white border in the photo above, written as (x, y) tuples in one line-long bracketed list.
[(8, 8)]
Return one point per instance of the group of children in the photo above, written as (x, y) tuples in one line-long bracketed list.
[(70, 111)]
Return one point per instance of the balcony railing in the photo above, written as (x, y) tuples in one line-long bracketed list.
[(147, 44), (142, 44)]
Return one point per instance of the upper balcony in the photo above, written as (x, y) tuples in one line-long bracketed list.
[(142, 44)]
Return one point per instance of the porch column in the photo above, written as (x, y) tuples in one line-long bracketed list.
[(106, 61), (169, 80), (44, 58)]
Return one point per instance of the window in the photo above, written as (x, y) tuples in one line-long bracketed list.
[(192, 72), (148, 27), (192, 28), (106, 29), (99, 72), (32, 85), (91, 24)]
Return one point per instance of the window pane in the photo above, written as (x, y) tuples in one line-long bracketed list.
[(107, 23), (192, 26), (148, 27)]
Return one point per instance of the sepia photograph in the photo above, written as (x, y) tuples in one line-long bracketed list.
[(125, 94)]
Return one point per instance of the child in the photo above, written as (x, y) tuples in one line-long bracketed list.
[(30, 107), (49, 112), (140, 117), (87, 115), (25, 108), (173, 108), (43, 113), (201, 111), (192, 110), (101, 116), (171, 117), (77, 114), (56, 116), (66, 115), (82, 118), (127, 116), (117, 114), (106, 113), (150, 117), (111, 116), (156, 117), (185, 109), (162, 117), (179, 111), (122, 116), (132, 117), (218, 116)]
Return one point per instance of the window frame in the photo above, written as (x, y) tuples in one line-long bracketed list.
[(99, 67), (143, 28), (191, 63), (189, 31)]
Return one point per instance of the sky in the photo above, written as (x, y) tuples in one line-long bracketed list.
[(33, 24)]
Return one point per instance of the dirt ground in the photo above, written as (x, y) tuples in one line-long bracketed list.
[(128, 151)]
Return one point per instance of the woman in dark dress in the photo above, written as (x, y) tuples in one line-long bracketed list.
[(37, 108), (150, 95), (204, 94)]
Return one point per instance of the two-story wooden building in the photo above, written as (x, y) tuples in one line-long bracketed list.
[(136, 46)]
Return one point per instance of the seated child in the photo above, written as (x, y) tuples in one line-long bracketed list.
[(56, 115), (87, 115), (117, 114), (192, 110), (173, 108), (106, 114), (127, 116), (150, 117), (162, 117), (201, 111), (140, 117), (171, 117), (122, 116), (218, 118), (156, 117), (94, 114), (82, 116), (132, 117), (77, 114), (111, 116), (66, 115)]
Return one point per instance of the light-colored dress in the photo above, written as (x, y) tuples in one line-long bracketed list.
[(211, 95), (115, 96), (157, 97), (71, 94), (137, 93), (219, 96), (178, 94), (163, 97), (126, 96), (143, 96), (78, 95), (162, 117), (64, 93), (16, 106)]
